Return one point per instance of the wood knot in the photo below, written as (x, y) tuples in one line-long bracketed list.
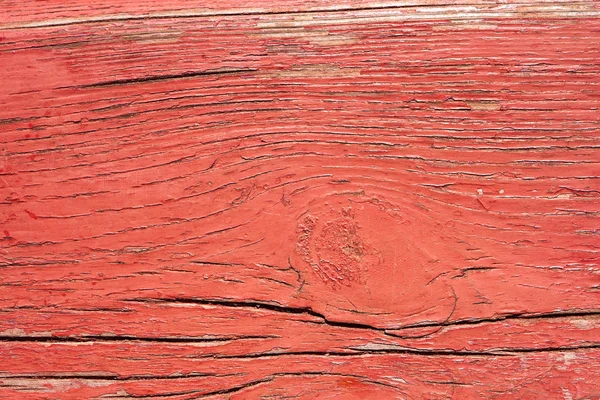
[(366, 257), (335, 250)]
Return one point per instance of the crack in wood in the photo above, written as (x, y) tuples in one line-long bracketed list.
[(159, 78)]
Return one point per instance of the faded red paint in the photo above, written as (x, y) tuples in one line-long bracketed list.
[(307, 199)]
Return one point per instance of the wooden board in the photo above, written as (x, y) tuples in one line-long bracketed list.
[(305, 199)]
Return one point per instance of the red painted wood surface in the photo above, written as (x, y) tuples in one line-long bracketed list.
[(308, 199)]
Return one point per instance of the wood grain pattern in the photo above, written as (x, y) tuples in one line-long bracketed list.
[(309, 199)]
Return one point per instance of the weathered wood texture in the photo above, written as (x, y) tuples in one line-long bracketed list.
[(307, 199)]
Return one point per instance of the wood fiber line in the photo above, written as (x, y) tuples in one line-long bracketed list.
[(309, 199), (35, 14)]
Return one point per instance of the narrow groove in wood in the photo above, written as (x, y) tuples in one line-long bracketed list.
[(318, 11)]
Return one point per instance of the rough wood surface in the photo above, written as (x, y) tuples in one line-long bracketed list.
[(303, 199)]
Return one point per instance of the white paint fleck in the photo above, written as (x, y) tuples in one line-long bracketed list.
[(378, 346), (13, 332), (396, 379), (583, 323), (568, 357)]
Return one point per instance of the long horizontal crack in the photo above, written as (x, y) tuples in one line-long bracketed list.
[(258, 305), (512, 316), (356, 325), (499, 352), (210, 14), (270, 378), (224, 391), (370, 353), (110, 377), (127, 338), (392, 349), (156, 78), (261, 12)]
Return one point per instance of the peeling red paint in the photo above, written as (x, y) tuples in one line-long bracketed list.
[(309, 199)]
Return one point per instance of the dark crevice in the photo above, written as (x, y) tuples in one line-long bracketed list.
[(225, 264), (240, 13), (235, 389), (357, 325), (272, 377), (404, 351), (127, 338), (549, 349), (259, 305), (359, 353), (151, 396), (101, 377), (498, 352), (157, 78), (512, 316)]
